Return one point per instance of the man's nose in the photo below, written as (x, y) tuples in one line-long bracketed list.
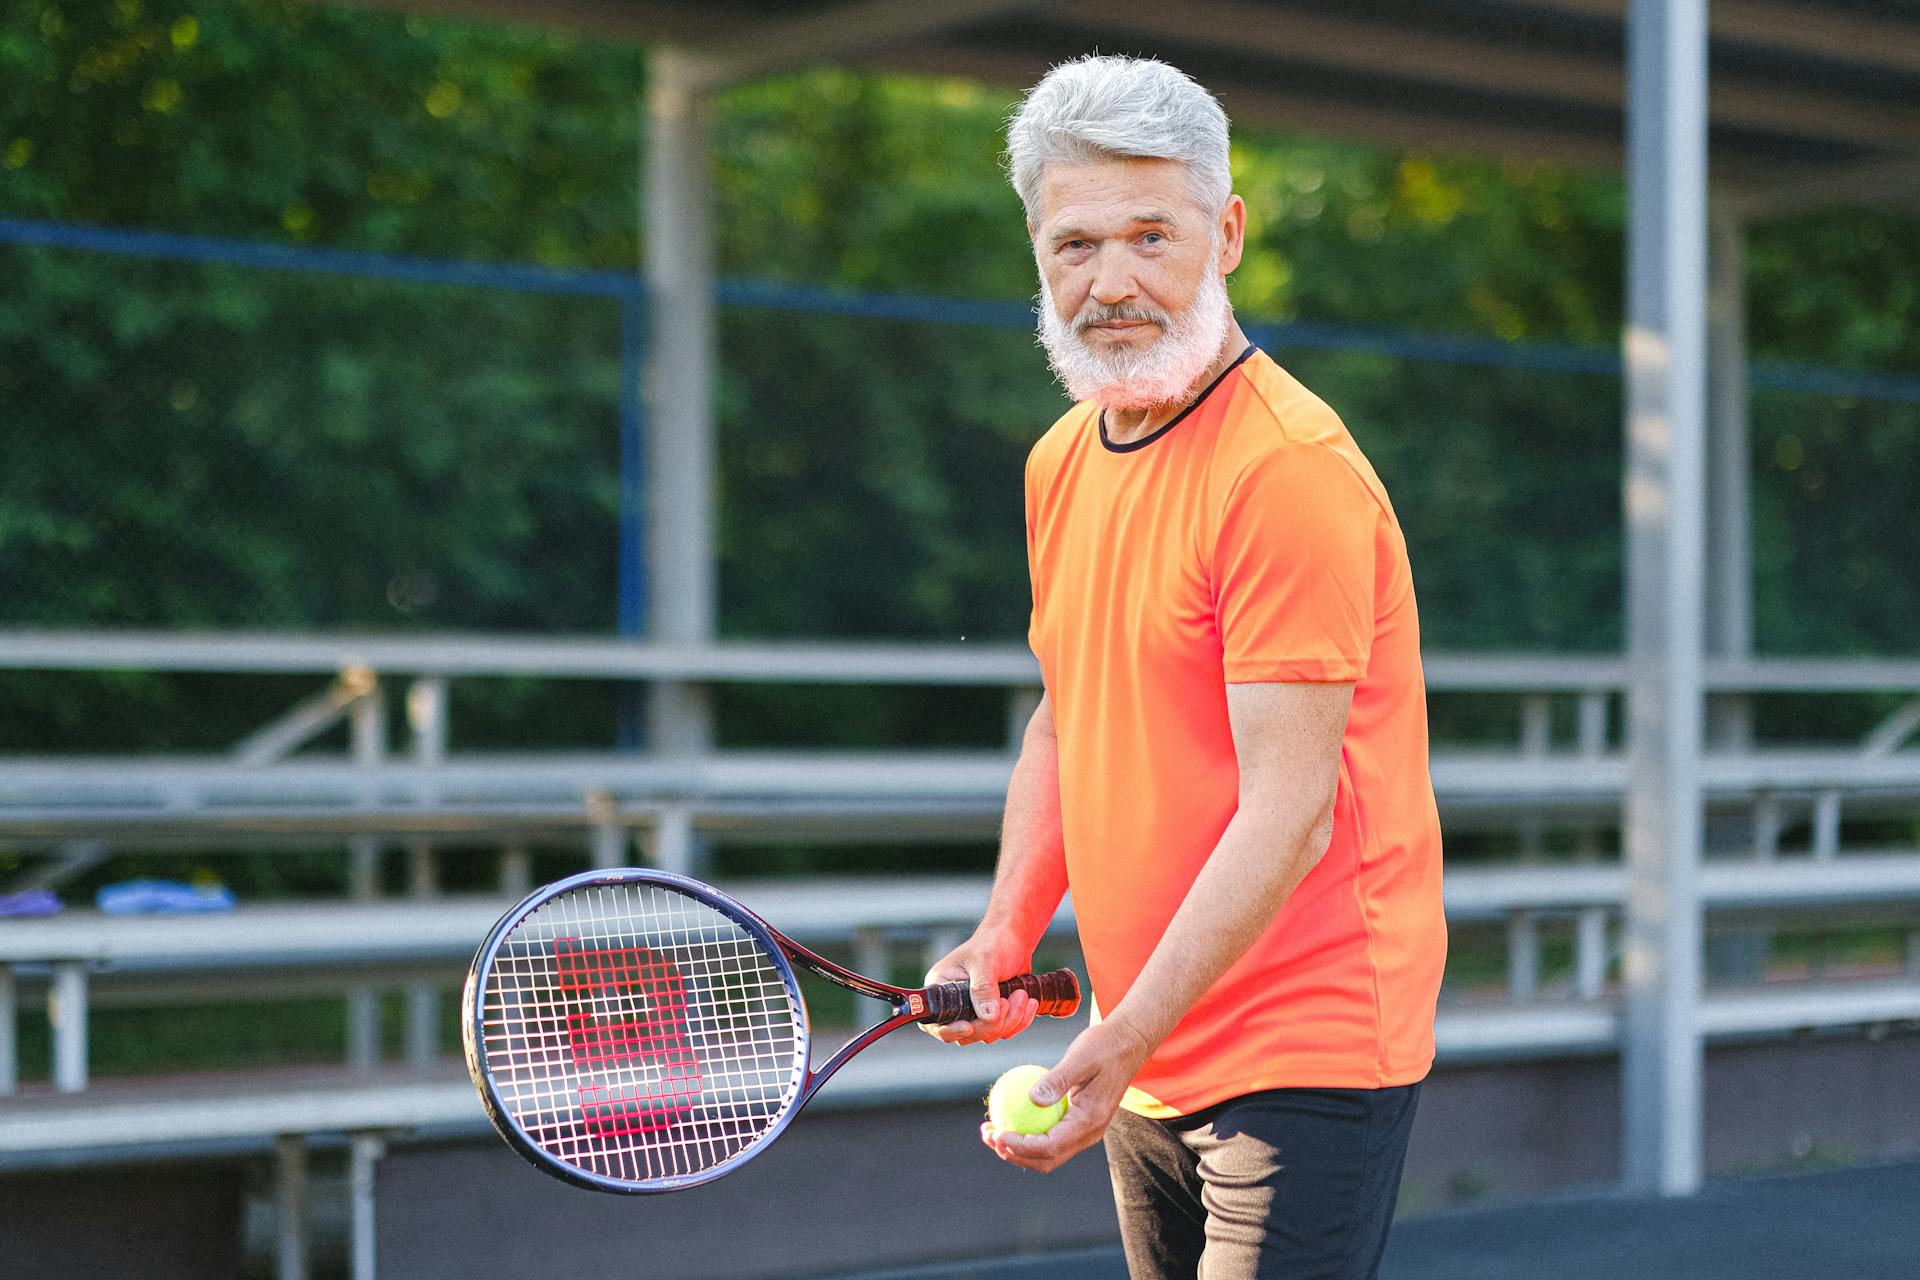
[(1113, 281)]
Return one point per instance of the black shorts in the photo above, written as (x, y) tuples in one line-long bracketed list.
[(1297, 1184)]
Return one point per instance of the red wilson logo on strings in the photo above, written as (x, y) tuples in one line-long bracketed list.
[(627, 1019)]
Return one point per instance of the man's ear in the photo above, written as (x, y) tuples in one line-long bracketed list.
[(1233, 234)]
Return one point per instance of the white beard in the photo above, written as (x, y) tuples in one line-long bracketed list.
[(1166, 373)]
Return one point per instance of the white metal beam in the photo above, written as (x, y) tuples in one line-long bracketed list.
[(279, 943), (1824, 1004), (1665, 498), (818, 662), (125, 798)]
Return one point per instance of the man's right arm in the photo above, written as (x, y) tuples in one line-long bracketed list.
[(1028, 883)]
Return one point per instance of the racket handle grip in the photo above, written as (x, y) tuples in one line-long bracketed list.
[(1057, 994)]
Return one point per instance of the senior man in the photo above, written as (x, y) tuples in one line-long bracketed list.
[(1229, 766)]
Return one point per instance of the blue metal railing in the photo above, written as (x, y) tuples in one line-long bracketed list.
[(630, 289)]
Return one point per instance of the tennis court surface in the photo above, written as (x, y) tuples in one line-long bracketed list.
[(1859, 1224)]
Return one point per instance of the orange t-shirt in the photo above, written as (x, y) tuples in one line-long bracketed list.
[(1246, 541)]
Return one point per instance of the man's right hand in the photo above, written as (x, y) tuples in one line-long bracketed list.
[(983, 963)]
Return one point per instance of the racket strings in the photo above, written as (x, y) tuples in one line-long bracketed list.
[(636, 1032)]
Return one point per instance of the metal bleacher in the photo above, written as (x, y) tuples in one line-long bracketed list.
[(1792, 857)]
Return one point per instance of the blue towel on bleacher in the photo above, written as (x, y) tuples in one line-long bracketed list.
[(29, 902), (144, 897)]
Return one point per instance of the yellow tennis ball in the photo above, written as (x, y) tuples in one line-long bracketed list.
[(1011, 1108)]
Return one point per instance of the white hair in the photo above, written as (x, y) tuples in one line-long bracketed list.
[(1103, 107)]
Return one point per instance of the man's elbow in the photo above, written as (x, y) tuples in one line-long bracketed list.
[(1305, 832)]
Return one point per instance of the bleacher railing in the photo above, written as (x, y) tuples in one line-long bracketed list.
[(618, 807)]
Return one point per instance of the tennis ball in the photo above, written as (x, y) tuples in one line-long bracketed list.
[(1011, 1108)]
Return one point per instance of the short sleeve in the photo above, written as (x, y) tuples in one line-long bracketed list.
[(1293, 569)]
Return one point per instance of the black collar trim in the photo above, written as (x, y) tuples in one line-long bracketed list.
[(1198, 400)]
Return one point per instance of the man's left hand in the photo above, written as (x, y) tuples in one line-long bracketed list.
[(1093, 1076)]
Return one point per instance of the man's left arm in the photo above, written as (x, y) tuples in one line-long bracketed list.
[(1287, 739)]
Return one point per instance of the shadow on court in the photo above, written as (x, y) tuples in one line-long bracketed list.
[(1860, 1224)]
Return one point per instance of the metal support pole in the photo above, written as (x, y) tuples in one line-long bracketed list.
[(1733, 955), (363, 867), (1767, 821), (1590, 953), (1592, 731), (9, 1032), (423, 998), (363, 1029), (427, 717), (1826, 825), (1591, 735), (368, 719), (873, 957), (609, 837), (363, 1156), (423, 868), (675, 846), (679, 449), (67, 1011), (290, 1199), (1022, 702), (1729, 584), (1536, 725), (516, 871), (1665, 499), (1536, 740), (423, 1025), (1523, 957), (941, 941)]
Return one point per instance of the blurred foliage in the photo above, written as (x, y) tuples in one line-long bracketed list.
[(215, 1036), (1835, 542), (205, 446)]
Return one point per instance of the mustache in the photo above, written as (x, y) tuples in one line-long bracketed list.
[(1096, 313)]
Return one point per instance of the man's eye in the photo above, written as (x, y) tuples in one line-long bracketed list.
[(1152, 237)]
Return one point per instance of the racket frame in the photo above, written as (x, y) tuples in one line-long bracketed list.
[(908, 1005), (473, 1005)]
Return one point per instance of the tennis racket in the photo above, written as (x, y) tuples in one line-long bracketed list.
[(637, 1031)]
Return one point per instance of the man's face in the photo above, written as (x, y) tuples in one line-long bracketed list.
[(1132, 268)]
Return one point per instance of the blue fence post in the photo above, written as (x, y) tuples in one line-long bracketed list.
[(630, 704), (632, 586)]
